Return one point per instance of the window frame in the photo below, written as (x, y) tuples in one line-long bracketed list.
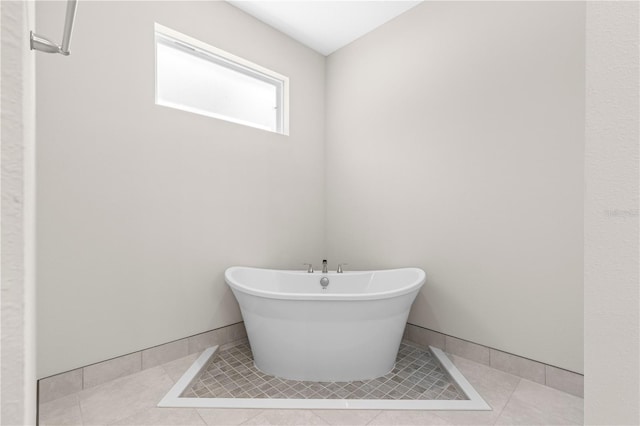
[(188, 44)]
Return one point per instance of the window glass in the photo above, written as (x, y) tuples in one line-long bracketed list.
[(194, 79)]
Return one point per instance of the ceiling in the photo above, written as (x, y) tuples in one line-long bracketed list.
[(324, 26)]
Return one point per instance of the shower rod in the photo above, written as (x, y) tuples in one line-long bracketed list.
[(43, 44)]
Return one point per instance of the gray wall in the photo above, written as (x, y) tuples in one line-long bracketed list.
[(612, 273), (611, 292), (455, 140), (141, 207)]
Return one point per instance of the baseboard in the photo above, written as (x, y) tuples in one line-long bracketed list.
[(549, 375), (59, 385)]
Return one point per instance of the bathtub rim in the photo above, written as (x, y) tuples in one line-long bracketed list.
[(414, 286)]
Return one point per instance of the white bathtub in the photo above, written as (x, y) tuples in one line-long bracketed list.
[(349, 331)]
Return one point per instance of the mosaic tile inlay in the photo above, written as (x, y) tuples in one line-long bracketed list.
[(416, 376)]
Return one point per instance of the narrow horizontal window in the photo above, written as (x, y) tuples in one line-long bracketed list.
[(193, 76)]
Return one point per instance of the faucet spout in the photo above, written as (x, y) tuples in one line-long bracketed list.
[(324, 267)]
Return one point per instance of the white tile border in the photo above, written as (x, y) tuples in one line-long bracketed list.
[(172, 399), (474, 397)]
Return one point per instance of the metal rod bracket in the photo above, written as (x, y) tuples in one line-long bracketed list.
[(43, 44)]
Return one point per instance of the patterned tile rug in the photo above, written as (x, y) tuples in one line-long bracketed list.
[(417, 376)]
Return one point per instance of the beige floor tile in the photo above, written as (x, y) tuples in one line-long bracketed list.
[(468, 417), (407, 418), (496, 397), (519, 413), (175, 369), (286, 417), (551, 401), (347, 417), (495, 387), (163, 417), (481, 375), (227, 417), (106, 371), (124, 397), (132, 400), (61, 411)]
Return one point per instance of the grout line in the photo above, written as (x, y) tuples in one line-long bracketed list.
[(201, 418), (375, 417), (80, 409), (318, 416), (508, 401), (546, 368), (255, 415)]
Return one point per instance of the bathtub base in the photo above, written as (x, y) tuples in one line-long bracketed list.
[(325, 342)]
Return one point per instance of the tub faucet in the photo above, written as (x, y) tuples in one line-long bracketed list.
[(324, 267), (309, 268), (340, 265)]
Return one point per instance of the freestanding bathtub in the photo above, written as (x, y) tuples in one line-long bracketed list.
[(350, 330)]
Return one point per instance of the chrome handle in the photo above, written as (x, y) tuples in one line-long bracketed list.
[(340, 265), (309, 268)]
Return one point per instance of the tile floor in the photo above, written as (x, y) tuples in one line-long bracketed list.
[(132, 400), (417, 375)]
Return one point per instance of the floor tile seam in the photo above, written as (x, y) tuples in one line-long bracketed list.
[(167, 373), (118, 418), (201, 418), (447, 422), (252, 417), (80, 407), (506, 403), (375, 417), (326, 422)]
